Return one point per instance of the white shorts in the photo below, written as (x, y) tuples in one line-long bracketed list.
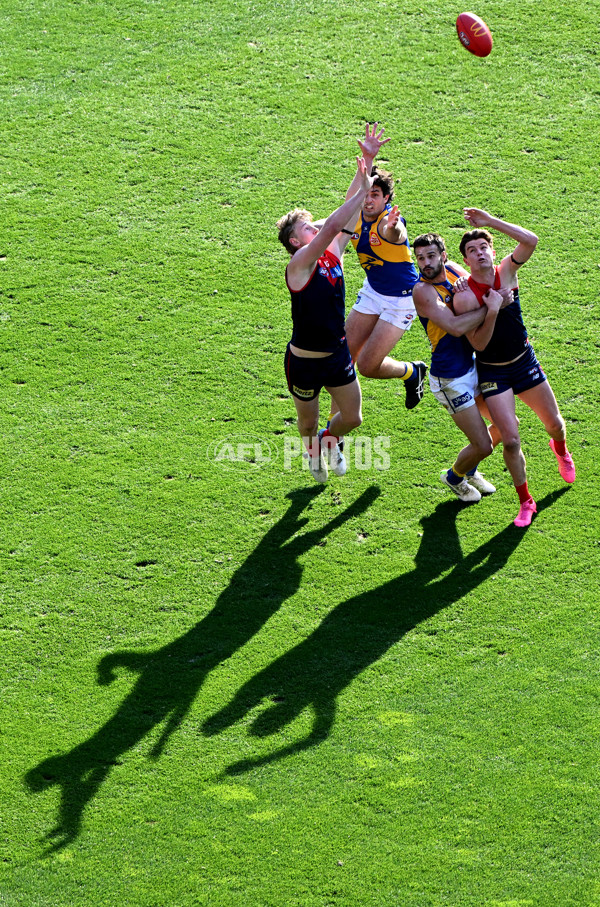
[(397, 310), (456, 394)]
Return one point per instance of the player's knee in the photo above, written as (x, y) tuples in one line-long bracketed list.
[(512, 443), (308, 427), (368, 366), (367, 370), (353, 420), (556, 426), (484, 448)]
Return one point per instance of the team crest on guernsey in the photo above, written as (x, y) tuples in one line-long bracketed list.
[(332, 274)]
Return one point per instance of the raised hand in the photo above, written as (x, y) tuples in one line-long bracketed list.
[(477, 217), (366, 180), (373, 141), (393, 217)]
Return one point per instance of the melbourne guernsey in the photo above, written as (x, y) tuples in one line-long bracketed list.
[(318, 309), (509, 340)]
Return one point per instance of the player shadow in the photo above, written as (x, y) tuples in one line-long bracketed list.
[(171, 677), (360, 631)]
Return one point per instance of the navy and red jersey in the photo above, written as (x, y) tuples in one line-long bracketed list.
[(318, 309), (509, 339)]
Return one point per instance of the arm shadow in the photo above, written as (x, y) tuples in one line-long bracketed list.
[(169, 679), (360, 631)]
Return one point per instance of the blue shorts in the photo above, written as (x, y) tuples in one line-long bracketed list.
[(307, 377), (518, 376)]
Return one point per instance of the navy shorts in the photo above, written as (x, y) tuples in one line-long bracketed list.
[(307, 377), (519, 376)]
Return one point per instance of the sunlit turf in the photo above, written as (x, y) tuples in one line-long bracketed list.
[(222, 685)]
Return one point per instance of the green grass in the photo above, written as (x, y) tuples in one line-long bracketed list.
[(228, 687)]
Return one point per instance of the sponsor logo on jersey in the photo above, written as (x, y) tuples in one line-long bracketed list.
[(374, 239), (303, 394)]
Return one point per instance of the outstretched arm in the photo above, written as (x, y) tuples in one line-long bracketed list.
[(370, 149), (526, 239), (304, 260)]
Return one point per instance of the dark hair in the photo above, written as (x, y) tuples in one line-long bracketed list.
[(286, 224), (385, 181), (475, 234), (430, 239)]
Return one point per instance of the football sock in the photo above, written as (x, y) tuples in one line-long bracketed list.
[(409, 371), (523, 492), (455, 478), (472, 472), (560, 447), (328, 434), (314, 449)]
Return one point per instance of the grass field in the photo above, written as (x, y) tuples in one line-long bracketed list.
[(223, 685)]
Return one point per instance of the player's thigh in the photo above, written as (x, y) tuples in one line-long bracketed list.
[(348, 398), (382, 340), (307, 411), (358, 329), (472, 426), (483, 407), (542, 401), (501, 408)]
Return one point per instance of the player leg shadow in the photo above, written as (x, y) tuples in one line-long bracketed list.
[(360, 631), (170, 678)]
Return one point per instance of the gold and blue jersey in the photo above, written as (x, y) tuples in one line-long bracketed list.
[(450, 356), (389, 266)]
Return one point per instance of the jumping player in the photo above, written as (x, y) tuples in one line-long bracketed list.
[(506, 362), (452, 374), (317, 355), (384, 309)]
